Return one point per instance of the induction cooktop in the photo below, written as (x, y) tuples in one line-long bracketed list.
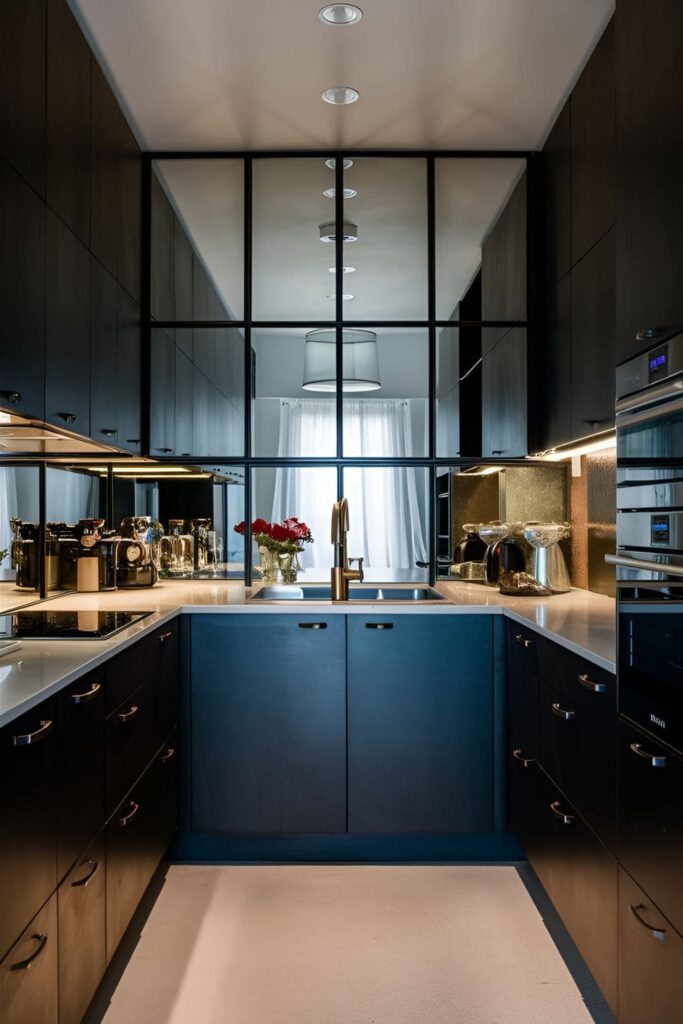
[(61, 625)]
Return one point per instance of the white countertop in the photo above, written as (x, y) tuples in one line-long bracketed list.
[(583, 622)]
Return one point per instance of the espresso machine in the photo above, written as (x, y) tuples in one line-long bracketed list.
[(24, 553), (138, 552), (177, 549), (96, 563)]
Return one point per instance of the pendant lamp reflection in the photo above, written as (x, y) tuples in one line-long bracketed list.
[(361, 365)]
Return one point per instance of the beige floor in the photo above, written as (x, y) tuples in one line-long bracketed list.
[(345, 945)]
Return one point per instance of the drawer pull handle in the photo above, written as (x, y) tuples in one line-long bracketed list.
[(656, 760), (165, 636), (312, 625), (563, 713), (23, 965), (657, 933), (126, 716), (127, 818), (88, 695), (588, 683), (108, 432), (519, 756), (566, 819), (379, 625), (14, 397), (523, 640), (82, 882), (170, 753), (34, 737)]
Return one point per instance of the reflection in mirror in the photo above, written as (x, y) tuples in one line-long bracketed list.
[(388, 518), (458, 380), (197, 243), (470, 195), (293, 239), (391, 365), (292, 540), (288, 420), (19, 520), (75, 506), (385, 239)]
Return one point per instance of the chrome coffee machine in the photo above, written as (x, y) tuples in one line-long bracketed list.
[(138, 552)]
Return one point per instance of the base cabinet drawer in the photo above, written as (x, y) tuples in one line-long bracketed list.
[(522, 663), (523, 809), (130, 743), (29, 973), (650, 960), (82, 958), (651, 819), (580, 876)]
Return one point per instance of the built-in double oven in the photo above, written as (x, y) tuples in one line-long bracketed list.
[(649, 555)]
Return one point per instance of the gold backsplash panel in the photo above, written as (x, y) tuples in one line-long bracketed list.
[(593, 506)]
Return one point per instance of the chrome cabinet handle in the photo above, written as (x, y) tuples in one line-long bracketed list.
[(84, 698), (163, 637), (125, 716), (13, 396), (170, 753), (23, 740), (68, 417), (588, 683), (312, 625), (379, 625), (565, 818), (519, 756), (523, 640), (127, 818), (656, 933), (656, 760), (23, 965), (563, 713), (109, 433), (82, 882)]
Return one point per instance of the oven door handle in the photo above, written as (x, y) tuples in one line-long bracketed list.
[(659, 402), (642, 563)]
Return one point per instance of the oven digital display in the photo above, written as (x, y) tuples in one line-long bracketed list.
[(660, 530), (658, 363)]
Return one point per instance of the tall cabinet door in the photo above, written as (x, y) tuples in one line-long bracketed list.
[(268, 724), (420, 711), (22, 88)]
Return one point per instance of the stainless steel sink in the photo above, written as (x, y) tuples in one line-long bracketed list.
[(323, 592)]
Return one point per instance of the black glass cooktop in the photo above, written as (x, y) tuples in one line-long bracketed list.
[(54, 625)]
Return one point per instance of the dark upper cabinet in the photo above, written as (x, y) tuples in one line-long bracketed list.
[(556, 396), (129, 373), (67, 329), (129, 212), (22, 293), (557, 196), (593, 342), (503, 265), (162, 394), (504, 395), (649, 147), (593, 143), (68, 119), (184, 385), (22, 88), (162, 283), (104, 397), (105, 148), (182, 261)]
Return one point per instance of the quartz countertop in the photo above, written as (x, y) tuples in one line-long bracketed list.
[(583, 622)]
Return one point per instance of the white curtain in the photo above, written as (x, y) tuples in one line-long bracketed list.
[(387, 504), (8, 506)]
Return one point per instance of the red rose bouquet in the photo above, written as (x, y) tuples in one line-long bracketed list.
[(288, 536)]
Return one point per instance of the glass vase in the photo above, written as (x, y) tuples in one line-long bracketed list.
[(289, 566), (269, 566)]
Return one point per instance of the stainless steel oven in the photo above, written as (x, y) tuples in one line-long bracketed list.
[(649, 555)]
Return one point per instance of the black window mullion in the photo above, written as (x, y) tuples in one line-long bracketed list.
[(339, 291), (248, 375)]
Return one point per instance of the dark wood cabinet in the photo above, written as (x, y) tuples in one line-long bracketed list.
[(22, 294), (556, 397), (651, 819), (593, 148), (67, 324), (182, 263), (68, 119), (557, 197), (201, 413), (162, 394), (184, 386), (104, 346), (22, 88), (104, 159), (162, 267), (523, 739), (650, 960), (420, 737), (593, 339), (29, 974), (129, 379), (504, 261), (268, 740), (80, 773), (82, 953), (28, 819), (649, 146), (129, 212), (504, 395)]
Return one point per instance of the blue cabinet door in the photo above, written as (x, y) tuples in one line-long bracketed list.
[(268, 732), (420, 723)]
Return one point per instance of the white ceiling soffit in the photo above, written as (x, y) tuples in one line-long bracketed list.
[(247, 74)]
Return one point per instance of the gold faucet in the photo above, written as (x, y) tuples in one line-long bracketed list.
[(341, 574)]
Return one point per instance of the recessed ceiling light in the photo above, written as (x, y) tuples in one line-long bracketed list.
[(344, 270), (328, 232), (332, 163), (340, 14), (340, 95), (349, 193)]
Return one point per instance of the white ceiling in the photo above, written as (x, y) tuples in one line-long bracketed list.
[(233, 74)]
